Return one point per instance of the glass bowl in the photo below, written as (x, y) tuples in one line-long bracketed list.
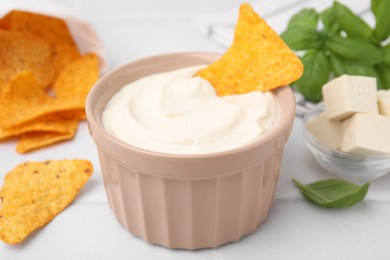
[(341, 164)]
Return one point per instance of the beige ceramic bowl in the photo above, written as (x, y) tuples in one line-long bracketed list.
[(186, 201)]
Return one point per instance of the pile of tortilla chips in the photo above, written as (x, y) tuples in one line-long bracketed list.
[(258, 59), (44, 80), (35, 192)]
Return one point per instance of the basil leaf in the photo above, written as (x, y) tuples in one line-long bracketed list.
[(375, 4), (337, 65), (341, 66), (331, 24), (352, 24), (315, 75), (360, 70), (333, 193), (355, 49), (382, 26), (384, 75), (300, 38), (306, 18), (386, 51)]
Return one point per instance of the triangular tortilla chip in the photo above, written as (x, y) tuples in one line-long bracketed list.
[(63, 54), (258, 59), (34, 140), (35, 192), (75, 81), (24, 99), (44, 80), (20, 52), (51, 29), (50, 123)]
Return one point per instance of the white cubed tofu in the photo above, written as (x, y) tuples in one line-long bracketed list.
[(366, 134), (384, 102), (328, 132), (347, 95)]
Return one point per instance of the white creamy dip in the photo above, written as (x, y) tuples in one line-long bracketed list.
[(174, 112)]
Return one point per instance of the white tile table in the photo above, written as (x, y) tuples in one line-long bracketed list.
[(295, 229)]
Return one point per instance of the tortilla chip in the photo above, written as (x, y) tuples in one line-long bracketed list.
[(23, 100), (35, 140), (78, 114), (5, 76), (3, 23), (44, 80), (35, 192), (22, 52), (257, 60), (75, 81), (26, 100), (53, 30), (49, 123), (63, 54)]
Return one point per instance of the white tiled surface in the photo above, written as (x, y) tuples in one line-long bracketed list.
[(294, 230)]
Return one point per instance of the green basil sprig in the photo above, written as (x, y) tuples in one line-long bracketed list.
[(363, 70), (340, 67), (345, 45), (337, 65), (317, 68), (301, 38), (383, 71), (328, 18), (381, 9), (307, 18), (352, 24), (302, 30), (387, 54), (355, 49), (333, 193), (375, 5)]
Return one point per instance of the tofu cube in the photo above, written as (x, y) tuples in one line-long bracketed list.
[(328, 132), (384, 102), (347, 95), (366, 134)]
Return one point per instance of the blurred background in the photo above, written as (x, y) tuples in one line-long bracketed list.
[(131, 29)]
